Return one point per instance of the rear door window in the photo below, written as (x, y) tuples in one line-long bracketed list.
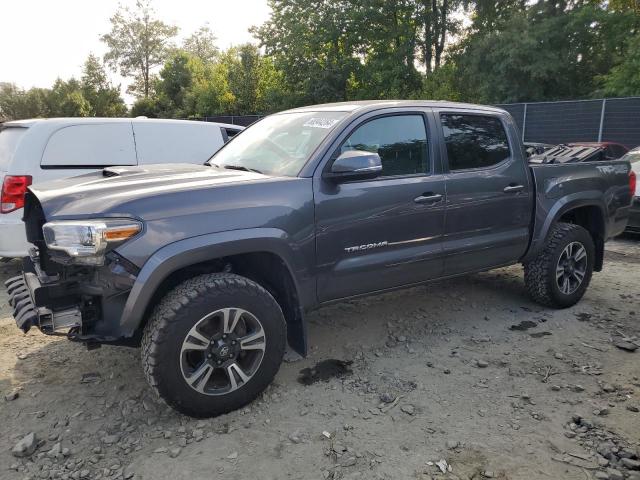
[(9, 139), (95, 145), (176, 142), (474, 141)]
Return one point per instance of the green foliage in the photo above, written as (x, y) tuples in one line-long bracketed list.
[(188, 87), (388, 70), (176, 79), (355, 49), (315, 51), (512, 50), (104, 99), (16, 103), (65, 99), (137, 43), (624, 78), (253, 80), (239, 81), (211, 95), (540, 53), (441, 84), (202, 44), (92, 96), (312, 42), (145, 107)]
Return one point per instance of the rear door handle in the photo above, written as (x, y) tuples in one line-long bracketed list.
[(513, 188), (429, 197)]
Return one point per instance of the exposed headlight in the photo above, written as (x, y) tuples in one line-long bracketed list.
[(86, 241)]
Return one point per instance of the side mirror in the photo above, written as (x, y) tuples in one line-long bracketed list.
[(355, 165)]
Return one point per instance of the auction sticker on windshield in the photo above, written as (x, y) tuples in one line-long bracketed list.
[(320, 122)]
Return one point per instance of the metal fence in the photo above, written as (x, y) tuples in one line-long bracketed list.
[(603, 120)]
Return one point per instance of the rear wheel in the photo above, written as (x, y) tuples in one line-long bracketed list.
[(560, 274), (213, 344)]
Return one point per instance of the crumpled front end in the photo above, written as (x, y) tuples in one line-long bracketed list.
[(84, 302), (21, 290)]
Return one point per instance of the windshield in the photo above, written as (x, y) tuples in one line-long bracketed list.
[(279, 144), (9, 138)]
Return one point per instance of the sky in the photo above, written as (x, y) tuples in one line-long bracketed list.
[(41, 40)]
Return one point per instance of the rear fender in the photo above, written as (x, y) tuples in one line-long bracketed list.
[(550, 210)]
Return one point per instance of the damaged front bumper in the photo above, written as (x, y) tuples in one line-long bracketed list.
[(85, 304), (21, 290)]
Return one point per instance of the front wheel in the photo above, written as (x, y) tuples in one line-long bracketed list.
[(560, 274), (213, 344)]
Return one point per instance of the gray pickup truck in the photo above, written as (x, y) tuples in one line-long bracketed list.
[(212, 268)]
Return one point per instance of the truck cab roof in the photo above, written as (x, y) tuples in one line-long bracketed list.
[(362, 106)]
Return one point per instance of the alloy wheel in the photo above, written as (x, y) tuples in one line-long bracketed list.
[(222, 351), (571, 267)]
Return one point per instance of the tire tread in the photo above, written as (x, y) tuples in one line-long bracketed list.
[(190, 293), (537, 271)]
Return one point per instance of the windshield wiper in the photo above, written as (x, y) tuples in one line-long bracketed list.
[(237, 167)]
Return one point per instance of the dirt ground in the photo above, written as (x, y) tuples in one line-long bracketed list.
[(468, 373)]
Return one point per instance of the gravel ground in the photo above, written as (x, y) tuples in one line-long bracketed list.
[(466, 376)]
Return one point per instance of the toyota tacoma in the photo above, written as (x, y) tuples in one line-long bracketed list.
[(211, 269)]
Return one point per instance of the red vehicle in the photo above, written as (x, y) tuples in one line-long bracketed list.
[(612, 150)]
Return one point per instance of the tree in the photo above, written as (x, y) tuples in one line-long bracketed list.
[(91, 96), (211, 95), (315, 45), (551, 51), (17, 104), (146, 107), (138, 42), (104, 99), (436, 26), (491, 15), (272, 93), (257, 86), (178, 76), (624, 78), (632, 6), (202, 44), (338, 50), (388, 68), (65, 99), (441, 84), (240, 81)]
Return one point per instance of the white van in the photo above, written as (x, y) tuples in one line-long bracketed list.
[(35, 151)]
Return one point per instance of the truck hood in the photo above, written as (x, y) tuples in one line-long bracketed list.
[(111, 190)]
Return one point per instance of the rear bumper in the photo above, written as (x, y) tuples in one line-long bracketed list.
[(634, 216), (13, 238)]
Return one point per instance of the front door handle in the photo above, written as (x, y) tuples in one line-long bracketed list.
[(429, 197), (513, 188)]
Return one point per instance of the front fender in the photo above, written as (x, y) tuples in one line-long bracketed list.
[(199, 249)]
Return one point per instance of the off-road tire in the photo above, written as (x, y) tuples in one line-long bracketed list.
[(540, 273), (178, 311)]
